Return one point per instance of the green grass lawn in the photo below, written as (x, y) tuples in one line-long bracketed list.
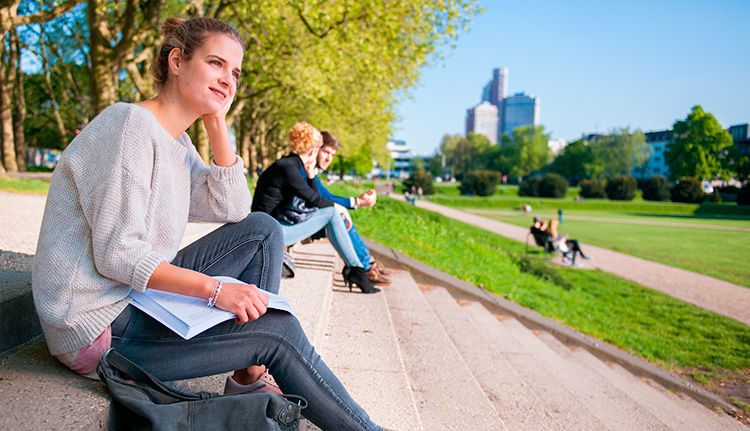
[(717, 253), (506, 198), (26, 186), (666, 331)]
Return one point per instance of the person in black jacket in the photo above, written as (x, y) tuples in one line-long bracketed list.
[(282, 186)]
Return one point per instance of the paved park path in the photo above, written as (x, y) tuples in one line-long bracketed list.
[(709, 293), (611, 220)]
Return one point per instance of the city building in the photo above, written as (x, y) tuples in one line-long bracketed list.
[(520, 110), (495, 92), (556, 146), (741, 137), (656, 163), (483, 120), (515, 111), (402, 157)]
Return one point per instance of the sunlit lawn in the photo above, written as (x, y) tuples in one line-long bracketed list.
[(717, 253), (26, 186)]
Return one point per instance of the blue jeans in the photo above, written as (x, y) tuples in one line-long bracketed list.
[(330, 219), (363, 253), (251, 251)]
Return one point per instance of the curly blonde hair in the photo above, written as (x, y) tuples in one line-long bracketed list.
[(303, 136)]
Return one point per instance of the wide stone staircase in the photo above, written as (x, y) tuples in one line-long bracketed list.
[(427, 353)]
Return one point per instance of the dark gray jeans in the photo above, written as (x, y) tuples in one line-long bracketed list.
[(251, 251)]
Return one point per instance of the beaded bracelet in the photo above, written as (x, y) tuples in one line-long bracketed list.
[(215, 294)]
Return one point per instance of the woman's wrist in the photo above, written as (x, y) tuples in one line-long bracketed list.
[(218, 137)]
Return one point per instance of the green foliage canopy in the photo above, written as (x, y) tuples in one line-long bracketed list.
[(526, 152), (700, 149)]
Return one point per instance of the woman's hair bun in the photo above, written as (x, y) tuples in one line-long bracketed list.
[(170, 24)]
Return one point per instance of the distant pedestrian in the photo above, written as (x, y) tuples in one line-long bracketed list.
[(560, 215), (419, 193)]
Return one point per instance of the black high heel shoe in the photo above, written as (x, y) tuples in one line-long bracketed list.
[(358, 276)]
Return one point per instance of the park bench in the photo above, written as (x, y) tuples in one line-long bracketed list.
[(544, 241)]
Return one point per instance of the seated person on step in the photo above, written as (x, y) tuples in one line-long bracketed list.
[(287, 190), (375, 270), (118, 203)]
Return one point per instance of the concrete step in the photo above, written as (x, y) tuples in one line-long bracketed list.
[(713, 420), (602, 404), (627, 400), (19, 323), (448, 396), (556, 399), (360, 347), (517, 403), (653, 403), (39, 393)]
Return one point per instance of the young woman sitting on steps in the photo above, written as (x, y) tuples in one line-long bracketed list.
[(117, 207)]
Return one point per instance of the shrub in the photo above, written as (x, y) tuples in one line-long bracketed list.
[(593, 188), (420, 179), (481, 183), (621, 188), (529, 187), (656, 188), (688, 190), (743, 196), (728, 189), (553, 186)]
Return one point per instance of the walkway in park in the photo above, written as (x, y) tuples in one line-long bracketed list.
[(611, 220), (709, 293)]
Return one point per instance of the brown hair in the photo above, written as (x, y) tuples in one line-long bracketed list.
[(330, 141), (304, 136), (187, 35)]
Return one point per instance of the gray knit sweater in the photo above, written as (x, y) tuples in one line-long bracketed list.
[(117, 207)]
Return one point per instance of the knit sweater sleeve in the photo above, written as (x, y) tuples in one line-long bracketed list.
[(218, 194), (117, 212)]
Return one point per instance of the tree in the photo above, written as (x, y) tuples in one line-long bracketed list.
[(572, 161), (700, 147), (10, 71), (526, 153), (466, 154), (616, 153), (340, 65)]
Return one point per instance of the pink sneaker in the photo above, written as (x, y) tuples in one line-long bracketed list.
[(264, 384)]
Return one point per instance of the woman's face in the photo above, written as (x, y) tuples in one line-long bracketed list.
[(208, 81), (309, 157)]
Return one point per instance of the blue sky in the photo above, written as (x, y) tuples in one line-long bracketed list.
[(595, 65)]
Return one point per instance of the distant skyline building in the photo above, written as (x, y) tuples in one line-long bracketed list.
[(520, 110), (483, 120), (512, 112), (495, 92), (656, 163)]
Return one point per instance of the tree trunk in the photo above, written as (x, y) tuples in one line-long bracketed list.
[(19, 113), (200, 140), (6, 116), (261, 144), (48, 81), (103, 74), (243, 145)]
